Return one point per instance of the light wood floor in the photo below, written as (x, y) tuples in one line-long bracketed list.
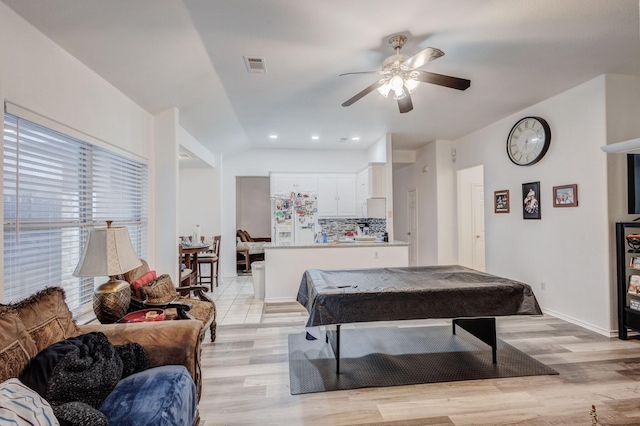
[(246, 382)]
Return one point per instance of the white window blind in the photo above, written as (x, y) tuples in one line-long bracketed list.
[(56, 188)]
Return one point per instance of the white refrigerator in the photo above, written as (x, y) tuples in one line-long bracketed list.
[(294, 218)]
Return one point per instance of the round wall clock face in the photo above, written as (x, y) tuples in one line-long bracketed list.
[(528, 141)]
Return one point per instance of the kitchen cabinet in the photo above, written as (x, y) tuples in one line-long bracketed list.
[(284, 183), (371, 181), (337, 195)]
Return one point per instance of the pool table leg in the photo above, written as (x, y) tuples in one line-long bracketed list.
[(482, 328), (334, 340)]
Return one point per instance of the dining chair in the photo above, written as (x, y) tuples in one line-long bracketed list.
[(210, 257)]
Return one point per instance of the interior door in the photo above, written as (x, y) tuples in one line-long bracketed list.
[(412, 226), (477, 192)]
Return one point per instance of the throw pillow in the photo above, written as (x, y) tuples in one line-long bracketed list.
[(20, 405), (143, 280), (159, 291), (16, 345), (46, 317), (136, 273)]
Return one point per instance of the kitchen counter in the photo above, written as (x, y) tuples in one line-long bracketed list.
[(339, 244), (285, 264)]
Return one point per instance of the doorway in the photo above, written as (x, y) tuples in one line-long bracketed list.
[(253, 205), (471, 233)]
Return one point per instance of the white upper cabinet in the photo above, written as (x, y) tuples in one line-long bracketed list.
[(337, 195), (371, 181), (284, 183)]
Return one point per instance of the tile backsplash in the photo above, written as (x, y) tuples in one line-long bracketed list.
[(342, 226)]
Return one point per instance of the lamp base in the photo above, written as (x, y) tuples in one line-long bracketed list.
[(111, 301)]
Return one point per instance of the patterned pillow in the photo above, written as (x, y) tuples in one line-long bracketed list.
[(161, 290), (46, 317), (136, 273), (16, 346), (143, 280), (22, 406)]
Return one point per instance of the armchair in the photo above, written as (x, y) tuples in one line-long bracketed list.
[(161, 293)]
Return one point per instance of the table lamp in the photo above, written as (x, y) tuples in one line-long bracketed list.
[(109, 252)]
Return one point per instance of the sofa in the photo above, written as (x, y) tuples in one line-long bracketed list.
[(249, 249), (162, 389)]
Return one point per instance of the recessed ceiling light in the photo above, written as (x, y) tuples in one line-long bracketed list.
[(273, 136), (355, 138), (315, 138)]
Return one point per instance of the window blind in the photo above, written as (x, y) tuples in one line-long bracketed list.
[(56, 188)]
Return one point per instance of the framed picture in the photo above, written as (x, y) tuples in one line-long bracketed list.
[(501, 201), (565, 196), (531, 200)]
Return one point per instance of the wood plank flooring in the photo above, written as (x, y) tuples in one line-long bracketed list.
[(246, 382)]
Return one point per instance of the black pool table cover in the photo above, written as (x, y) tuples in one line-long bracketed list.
[(421, 292)]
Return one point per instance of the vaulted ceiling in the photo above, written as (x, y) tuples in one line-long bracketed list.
[(189, 55)]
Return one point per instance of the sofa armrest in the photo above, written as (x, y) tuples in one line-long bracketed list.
[(166, 342)]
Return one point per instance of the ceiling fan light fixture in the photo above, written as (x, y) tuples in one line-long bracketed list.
[(384, 89), (399, 94), (411, 84), (396, 83)]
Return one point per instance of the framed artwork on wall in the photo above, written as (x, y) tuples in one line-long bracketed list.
[(565, 196), (531, 200), (501, 201)]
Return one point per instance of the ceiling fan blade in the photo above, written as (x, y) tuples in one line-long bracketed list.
[(421, 58), (366, 91), (405, 104), (444, 80), (363, 72)]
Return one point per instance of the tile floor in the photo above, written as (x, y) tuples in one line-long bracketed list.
[(235, 302)]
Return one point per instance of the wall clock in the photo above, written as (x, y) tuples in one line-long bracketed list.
[(528, 141)]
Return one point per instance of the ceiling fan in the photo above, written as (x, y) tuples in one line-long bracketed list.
[(400, 75)]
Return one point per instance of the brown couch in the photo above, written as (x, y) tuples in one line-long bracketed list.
[(30, 325)]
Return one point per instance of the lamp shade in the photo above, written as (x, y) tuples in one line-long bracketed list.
[(108, 252)]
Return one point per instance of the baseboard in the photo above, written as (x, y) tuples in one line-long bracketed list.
[(591, 327), (280, 300)]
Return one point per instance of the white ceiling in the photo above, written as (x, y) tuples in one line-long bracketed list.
[(189, 54)]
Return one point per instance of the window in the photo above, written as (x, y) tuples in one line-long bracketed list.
[(56, 188)]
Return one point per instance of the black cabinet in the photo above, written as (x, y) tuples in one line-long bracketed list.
[(627, 318)]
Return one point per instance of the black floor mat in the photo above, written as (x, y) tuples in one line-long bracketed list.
[(393, 356)]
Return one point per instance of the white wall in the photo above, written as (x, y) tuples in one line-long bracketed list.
[(377, 153), (38, 75), (571, 250), (567, 248), (260, 162), (433, 177), (199, 201), (623, 110)]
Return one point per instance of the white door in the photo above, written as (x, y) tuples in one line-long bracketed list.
[(412, 227), (471, 237), (477, 191)]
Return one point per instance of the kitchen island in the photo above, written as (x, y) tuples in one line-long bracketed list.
[(285, 264)]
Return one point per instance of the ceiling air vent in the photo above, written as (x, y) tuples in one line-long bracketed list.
[(255, 64), (343, 140)]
